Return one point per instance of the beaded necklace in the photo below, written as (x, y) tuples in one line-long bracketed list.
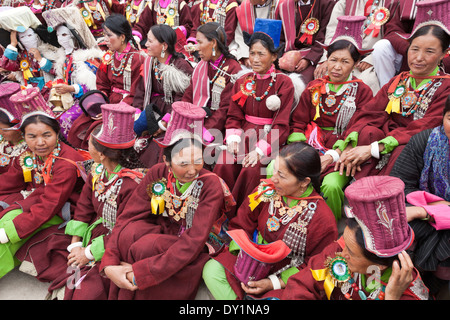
[(118, 71), (219, 71), (43, 171), (253, 93), (410, 102), (351, 284), (68, 69), (331, 101)]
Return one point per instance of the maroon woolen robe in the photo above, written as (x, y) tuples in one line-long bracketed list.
[(166, 264), (373, 123), (322, 230), (50, 257), (239, 179)]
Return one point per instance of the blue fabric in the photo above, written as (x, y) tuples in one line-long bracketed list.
[(436, 171), (48, 66), (270, 27), (11, 54)]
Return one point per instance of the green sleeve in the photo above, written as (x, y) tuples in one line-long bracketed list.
[(390, 143), (76, 228), (338, 145), (287, 273), (98, 248), (296, 136), (351, 138)]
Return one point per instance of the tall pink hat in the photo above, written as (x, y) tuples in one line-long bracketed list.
[(117, 129), (350, 28), (378, 205), (186, 121), (6, 106), (29, 102), (431, 12)]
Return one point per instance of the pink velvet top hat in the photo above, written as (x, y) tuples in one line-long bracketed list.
[(378, 205), (6, 105), (29, 102), (117, 129), (186, 121), (431, 12), (255, 260), (350, 28)]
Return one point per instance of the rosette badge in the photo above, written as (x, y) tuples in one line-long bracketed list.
[(156, 191)]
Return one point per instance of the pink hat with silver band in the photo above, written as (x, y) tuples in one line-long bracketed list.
[(117, 129), (6, 106), (378, 205), (431, 12), (349, 28), (29, 102)]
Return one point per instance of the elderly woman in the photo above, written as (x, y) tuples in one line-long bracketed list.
[(41, 187), (411, 102), (165, 76), (327, 107), (160, 254), (261, 104), (369, 261), (290, 198), (423, 166), (212, 79)]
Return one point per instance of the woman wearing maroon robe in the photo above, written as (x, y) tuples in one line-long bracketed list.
[(164, 78), (257, 119), (411, 102), (71, 260), (41, 188), (160, 255), (212, 82), (296, 185)]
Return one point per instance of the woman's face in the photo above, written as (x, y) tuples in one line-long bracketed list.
[(154, 47), (65, 38), (340, 65), (446, 124), (41, 138), (187, 163), (112, 40), (424, 55), (354, 255), (204, 47), (261, 59), (28, 38), (95, 154), (12, 136), (286, 184)]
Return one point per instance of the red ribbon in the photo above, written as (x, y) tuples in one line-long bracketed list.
[(307, 37)]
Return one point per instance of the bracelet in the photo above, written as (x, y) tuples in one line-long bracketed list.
[(275, 282), (375, 150), (87, 253), (73, 245), (334, 154)]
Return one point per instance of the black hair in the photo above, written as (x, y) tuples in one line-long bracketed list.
[(447, 106), (344, 44), (179, 145), (213, 30), (119, 25), (127, 158), (353, 225), (79, 43), (5, 119), (165, 34), (303, 161), (436, 31), (39, 118)]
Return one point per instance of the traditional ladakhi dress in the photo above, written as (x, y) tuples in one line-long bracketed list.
[(220, 11), (160, 85), (102, 200), (38, 200), (424, 168), (175, 13), (9, 152), (304, 24), (168, 250), (254, 125), (321, 119), (134, 8), (272, 219), (95, 15), (210, 88), (311, 284), (246, 13), (384, 10), (402, 108)]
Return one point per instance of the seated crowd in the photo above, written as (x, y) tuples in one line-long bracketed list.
[(266, 149)]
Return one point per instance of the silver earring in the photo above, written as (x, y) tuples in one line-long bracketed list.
[(163, 53), (214, 51)]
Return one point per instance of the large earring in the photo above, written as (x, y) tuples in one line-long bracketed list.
[(163, 53), (214, 51)]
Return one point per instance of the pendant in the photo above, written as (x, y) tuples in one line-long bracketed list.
[(4, 160), (100, 187), (38, 179), (273, 224), (408, 99), (176, 203), (97, 15), (330, 101)]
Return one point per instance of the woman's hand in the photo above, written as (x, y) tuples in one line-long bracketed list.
[(400, 278), (36, 54), (363, 66), (259, 287), (62, 88), (13, 38), (251, 159), (77, 258), (321, 70), (413, 213), (122, 276), (302, 65), (352, 159), (325, 161), (233, 147)]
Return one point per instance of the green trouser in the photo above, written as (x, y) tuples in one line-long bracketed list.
[(216, 281), (332, 187), (8, 261)]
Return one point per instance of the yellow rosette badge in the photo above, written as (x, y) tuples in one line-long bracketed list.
[(27, 164), (156, 191)]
